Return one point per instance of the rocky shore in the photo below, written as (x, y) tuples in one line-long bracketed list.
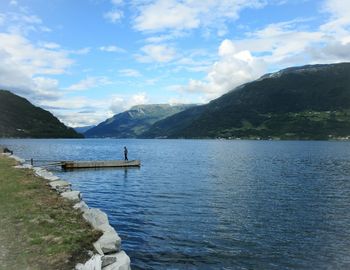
[(107, 253)]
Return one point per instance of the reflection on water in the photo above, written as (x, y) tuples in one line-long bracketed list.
[(205, 204)]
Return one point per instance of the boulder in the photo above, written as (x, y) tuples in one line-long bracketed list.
[(82, 206), (72, 195), (95, 217), (60, 186), (20, 160), (109, 242), (94, 263), (45, 174), (24, 166), (122, 263), (106, 228)]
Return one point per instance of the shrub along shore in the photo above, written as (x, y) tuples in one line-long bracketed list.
[(45, 225)]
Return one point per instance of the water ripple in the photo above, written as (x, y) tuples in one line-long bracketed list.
[(218, 204)]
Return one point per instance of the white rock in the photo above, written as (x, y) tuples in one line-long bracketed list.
[(123, 262), (20, 160), (24, 166), (60, 186), (82, 206), (95, 217), (72, 195), (109, 242), (106, 228), (45, 174), (94, 263)]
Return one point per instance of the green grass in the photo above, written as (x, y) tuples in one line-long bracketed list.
[(39, 229)]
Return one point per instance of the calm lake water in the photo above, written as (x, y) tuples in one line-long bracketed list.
[(209, 204)]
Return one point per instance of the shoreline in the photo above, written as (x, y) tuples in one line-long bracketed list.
[(107, 253)]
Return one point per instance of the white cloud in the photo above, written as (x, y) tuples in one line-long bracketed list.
[(111, 48), (81, 51), (156, 53), (278, 42), (163, 15), (129, 72), (277, 46), (114, 16), (82, 111), (50, 45), (233, 68), (13, 3), (89, 82), (79, 111), (22, 23), (123, 103), (25, 67), (159, 39)]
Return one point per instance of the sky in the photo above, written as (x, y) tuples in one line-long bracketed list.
[(86, 60)]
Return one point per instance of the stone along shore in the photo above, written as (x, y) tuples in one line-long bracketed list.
[(107, 253)]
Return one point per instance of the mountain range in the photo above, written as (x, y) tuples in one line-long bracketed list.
[(134, 122), (21, 119), (308, 102)]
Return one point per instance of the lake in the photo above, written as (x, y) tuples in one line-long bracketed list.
[(216, 204)]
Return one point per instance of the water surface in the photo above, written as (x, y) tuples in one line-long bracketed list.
[(209, 204)]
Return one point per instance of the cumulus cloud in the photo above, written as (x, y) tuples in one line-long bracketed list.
[(78, 111), (277, 46), (278, 42), (114, 16), (83, 111), (89, 82), (163, 15), (22, 23), (160, 53), (233, 68), (25, 67), (123, 103)]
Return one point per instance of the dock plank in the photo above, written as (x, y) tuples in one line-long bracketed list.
[(100, 164)]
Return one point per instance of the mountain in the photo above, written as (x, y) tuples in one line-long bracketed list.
[(83, 129), (132, 123), (21, 119), (308, 102)]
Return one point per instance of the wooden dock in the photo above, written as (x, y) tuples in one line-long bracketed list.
[(100, 164)]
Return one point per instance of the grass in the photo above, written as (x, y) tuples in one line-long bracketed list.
[(38, 228)]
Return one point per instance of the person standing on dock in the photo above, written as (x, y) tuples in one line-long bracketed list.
[(125, 153)]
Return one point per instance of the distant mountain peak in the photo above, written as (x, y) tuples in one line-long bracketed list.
[(136, 120)]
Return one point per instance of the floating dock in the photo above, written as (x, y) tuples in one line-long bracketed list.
[(99, 164)]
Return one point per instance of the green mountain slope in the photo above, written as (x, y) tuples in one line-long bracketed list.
[(83, 129), (21, 119), (132, 123), (309, 102)]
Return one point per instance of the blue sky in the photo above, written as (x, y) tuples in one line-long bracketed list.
[(86, 60)]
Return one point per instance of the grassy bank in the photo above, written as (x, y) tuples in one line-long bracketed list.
[(38, 228)]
